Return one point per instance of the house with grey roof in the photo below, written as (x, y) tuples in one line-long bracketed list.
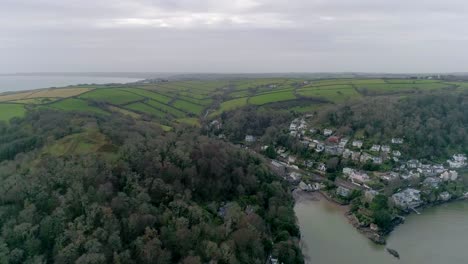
[(409, 198)]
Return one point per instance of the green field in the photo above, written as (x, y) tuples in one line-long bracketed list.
[(178, 100), (112, 96), (8, 111), (330, 94), (145, 109), (35, 101), (149, 94), (166, 108), (72, 104), (188, 107), (272, 98), (400, 87), (189, 121)]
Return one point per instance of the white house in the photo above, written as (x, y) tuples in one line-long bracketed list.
[(396, 153), (397, 141), (375, 148), (359, 177), (449, 175), (409, 198), (357, 143), (249, 138), (322, 167), (386, 148), (343, 192), (327, 132), (458, 161), (347, 171)]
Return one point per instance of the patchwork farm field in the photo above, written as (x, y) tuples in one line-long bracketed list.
[(73, 104), (8, 111), (272, 97), (112, 96), (331, 94), (192, 101)]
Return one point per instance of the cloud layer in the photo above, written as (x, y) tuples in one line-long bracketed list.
[(233, 35)]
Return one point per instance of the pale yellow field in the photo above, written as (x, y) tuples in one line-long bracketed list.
[(44, 93), (61, 92), (15, 96)]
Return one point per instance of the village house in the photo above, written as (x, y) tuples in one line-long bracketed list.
[(250, 139), (291, 159), (438, 168), (309, 163), (365, 157), (343, 142), (397, 141), (293, 133), (377, 160), (216, 124), (347, 171), (409, 198), (333, 150), (432, 182), (386, 148), (312, 145), (278, 164), (312, 130), (322, 167), (369, 195), (396, 153), (426, 170), (294, 176), (359, 177), (410, 175), (449, 176), (320, 147), (457, 161), (293, 127), (355, 155), (333, 140), (375, 148), (347, 153), (318, 186), (413, 164), (445, 196), (390, 176), (305, 187), (343, 192), (357, 143), (327, 132)]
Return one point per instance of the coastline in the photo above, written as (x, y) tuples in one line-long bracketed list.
[(376, 236)]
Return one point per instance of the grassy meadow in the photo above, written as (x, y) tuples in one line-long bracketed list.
[(191, 101)]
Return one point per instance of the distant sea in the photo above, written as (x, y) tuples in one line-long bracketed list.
[(10, 83)]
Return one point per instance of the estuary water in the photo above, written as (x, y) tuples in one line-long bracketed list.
[(12, 83), (438, 236)]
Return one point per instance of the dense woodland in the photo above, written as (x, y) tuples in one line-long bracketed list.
[(149, 197), (433, 125)]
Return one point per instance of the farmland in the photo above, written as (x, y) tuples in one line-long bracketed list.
[(187, 101), (8, 111), (112, 96), (145, 109), (332, 93), (73, 104), (272, 97)]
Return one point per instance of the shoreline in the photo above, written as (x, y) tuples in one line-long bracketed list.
[(377, 237)]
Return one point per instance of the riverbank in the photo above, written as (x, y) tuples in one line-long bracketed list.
[(373, 235), (377, 236)]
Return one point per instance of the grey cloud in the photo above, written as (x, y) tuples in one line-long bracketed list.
[(233, 35)]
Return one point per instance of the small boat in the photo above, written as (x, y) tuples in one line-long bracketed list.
[(393, 253)]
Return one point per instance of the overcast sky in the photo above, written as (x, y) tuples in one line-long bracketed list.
[(234, 35)]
